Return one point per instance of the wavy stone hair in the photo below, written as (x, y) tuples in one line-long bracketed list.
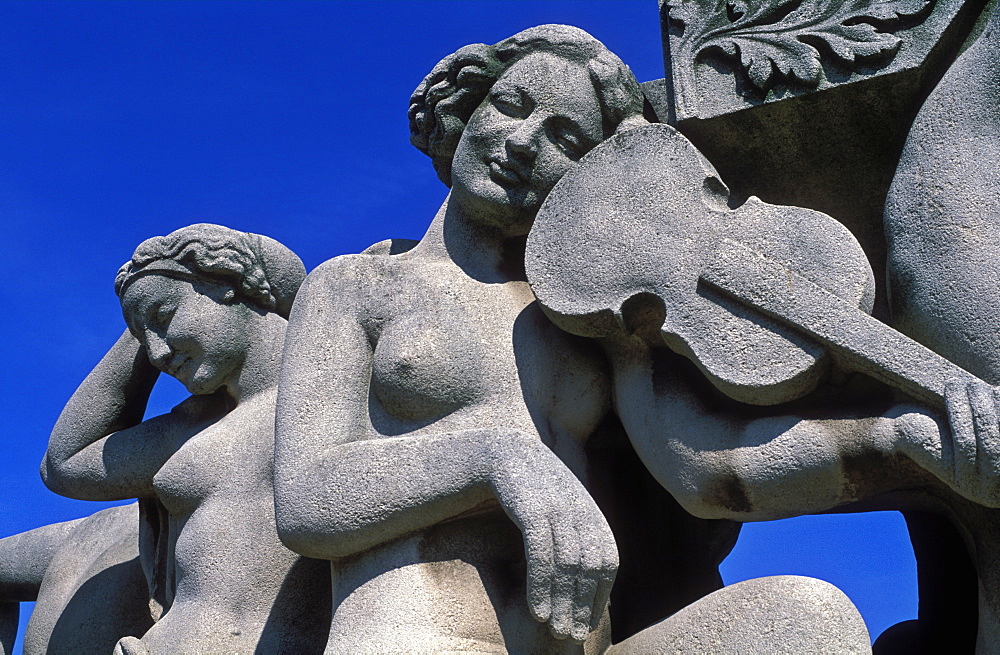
[(259, 270), (444, 101)]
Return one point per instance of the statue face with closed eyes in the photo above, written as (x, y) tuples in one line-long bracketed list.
[(539, 118), (191, 330)]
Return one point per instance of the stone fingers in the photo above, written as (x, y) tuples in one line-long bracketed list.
[(586, 561), (566, 572), (587, 582), (983, 400), (599, 564), (538, 547), (963, 437), (605, 574)]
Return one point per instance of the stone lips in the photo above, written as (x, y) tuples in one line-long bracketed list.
[(649, 193)]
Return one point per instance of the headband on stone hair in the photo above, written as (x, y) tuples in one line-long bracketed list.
[(260, 270)]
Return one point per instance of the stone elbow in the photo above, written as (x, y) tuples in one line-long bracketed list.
[(294, 529), (63, 480), (308, 541), (53, 477), (714, 493), (310, 530), (298, 539)]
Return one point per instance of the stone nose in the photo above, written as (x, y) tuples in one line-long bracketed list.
[(523, 141), (157, 349)]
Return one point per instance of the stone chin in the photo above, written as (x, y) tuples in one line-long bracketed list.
[(510, 208)]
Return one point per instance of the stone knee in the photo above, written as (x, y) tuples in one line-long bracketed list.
[(779, 614)]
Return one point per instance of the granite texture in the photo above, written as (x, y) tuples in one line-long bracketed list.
[(942, 226), (432, 424), (207, 305), (539, 427)]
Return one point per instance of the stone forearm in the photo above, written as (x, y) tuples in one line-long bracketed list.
[(365, 493), (111, 398)]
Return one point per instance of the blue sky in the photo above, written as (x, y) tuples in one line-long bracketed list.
[(122, 121)]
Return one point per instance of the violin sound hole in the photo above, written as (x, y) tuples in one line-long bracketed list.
[(643, 315)]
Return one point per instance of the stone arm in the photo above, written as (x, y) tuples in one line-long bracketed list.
[(100, 448), (341, 488), (720, 462), (25, 557)]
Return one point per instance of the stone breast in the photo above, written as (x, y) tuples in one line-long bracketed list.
[(224, 456), (427, 366)]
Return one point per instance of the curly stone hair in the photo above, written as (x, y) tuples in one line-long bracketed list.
[(444, 101), (260, 270)]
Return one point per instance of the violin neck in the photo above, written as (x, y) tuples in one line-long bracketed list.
[(856, 339)]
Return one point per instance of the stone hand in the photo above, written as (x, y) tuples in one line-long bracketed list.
[(571, 554), (964, 453), (973, 411)]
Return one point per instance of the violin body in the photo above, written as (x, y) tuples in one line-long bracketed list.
[(621, 241)]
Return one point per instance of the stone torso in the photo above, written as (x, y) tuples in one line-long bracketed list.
[(451, 353), (230, 567)]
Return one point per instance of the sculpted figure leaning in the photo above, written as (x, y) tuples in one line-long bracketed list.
[(942, 227), (424, 396), (432, 424), (431, 453), (206, 305)]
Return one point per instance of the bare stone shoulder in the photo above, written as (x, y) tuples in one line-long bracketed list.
[(348, 282)]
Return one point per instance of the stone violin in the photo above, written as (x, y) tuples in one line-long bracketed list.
[(760, 297)]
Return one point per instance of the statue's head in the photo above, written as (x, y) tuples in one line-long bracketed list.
[(505, 122), (196, 297)]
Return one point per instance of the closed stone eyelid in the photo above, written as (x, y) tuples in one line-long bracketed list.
[(566, 129), (516, 100), (163, 316)]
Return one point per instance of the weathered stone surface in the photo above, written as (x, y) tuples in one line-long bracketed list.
[(725, 57), (424, 395), (942, 215), (832, 147), (654, 223), (942, 222), (465, 461), (408, 414), (781, 614), (207, 305), (624, 237), (93, 592)]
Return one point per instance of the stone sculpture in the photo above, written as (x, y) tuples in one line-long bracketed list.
[(424, 396), (487, 440), (942, 222), (850, 138), (206, 305), (86, 581), (666, 230), (859, 153), (437, 400), (729, 56)]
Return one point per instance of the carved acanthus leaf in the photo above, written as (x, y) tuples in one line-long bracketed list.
[(788, 38)]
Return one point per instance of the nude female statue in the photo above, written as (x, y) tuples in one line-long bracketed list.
[(432, 424), (405, 416), (206, 305)]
